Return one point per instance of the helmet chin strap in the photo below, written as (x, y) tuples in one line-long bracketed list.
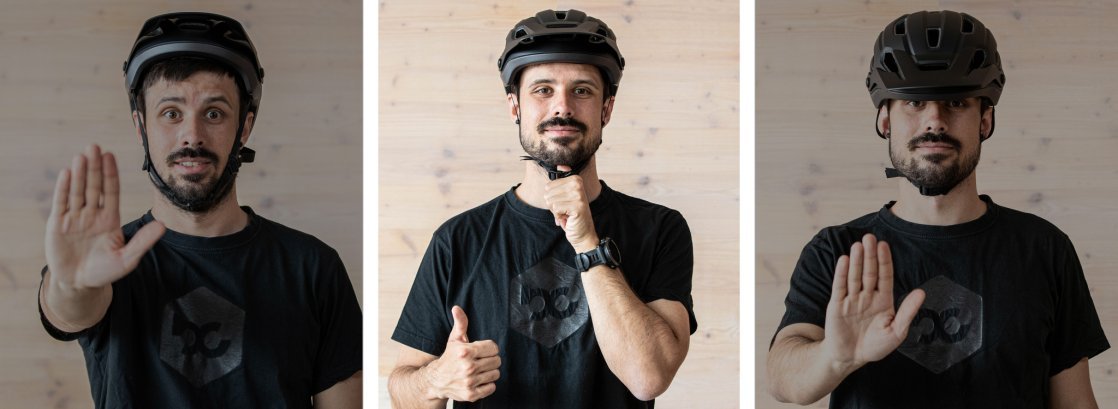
[(924, 190), (238, 155), (552, 170)]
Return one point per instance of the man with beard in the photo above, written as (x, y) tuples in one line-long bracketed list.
[(199, 302), (500, 310), (993, 308)]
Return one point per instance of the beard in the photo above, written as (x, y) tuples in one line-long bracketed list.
[(568, 150), (195, 193), (935, 174)]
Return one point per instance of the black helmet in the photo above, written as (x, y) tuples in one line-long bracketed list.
[(561, 36), (935, 55), (205, 35)]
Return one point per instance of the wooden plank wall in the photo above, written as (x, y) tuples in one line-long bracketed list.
[(819, 162), (61, 88), (446, 144)]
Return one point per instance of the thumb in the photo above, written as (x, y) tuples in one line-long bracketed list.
[(458, 332), (909, 307), (140, 243)]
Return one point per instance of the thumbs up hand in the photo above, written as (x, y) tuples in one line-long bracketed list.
[(467, 370)]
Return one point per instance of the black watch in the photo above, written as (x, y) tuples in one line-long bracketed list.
[(606, 254)]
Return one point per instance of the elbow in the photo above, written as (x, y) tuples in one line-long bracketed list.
[(783, 397), (650, 386)]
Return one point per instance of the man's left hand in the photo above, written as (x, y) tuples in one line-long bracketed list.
[(566, 198)]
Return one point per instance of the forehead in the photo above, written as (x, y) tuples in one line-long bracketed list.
[(202, 84), (561, 72)]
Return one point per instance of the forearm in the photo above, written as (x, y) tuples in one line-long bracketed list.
[(70, 309), (799, 371), (409, 388), (638, 344)]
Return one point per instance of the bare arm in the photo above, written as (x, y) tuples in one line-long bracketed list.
[(465, 372), (807, 362), (85, 247), (343, 395), (1071, 388), (643, 344)]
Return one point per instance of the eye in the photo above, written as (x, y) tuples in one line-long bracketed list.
[(214, 114), (542, 91), (915, 104), (171, 114), (582, 91), (957, 103)]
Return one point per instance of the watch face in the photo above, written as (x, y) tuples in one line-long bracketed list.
[(613, 255)]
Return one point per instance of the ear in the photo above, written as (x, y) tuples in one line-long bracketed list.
[(514, 106), (986, 124), (137, 122), (607, 111), (883, 120), (250, 119)]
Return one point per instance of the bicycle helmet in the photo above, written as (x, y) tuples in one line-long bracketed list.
[(561, 36), (206, 36), (935, 56)]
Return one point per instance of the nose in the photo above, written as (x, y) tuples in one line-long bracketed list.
[(561, 105), (935, 118), (193, 132)]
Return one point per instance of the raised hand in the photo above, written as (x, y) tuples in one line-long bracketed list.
[(568, 201), (862, 325), (467, 370), (85, 247)]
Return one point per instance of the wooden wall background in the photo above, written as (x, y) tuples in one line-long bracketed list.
[(61, 88), (446, 145), (819, 162)]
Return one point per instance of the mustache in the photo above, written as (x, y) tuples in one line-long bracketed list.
[(189, 152), (561, 121), (935, 138)]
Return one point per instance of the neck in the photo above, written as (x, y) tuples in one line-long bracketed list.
[(960, 205), (223, 219), (533, 187)]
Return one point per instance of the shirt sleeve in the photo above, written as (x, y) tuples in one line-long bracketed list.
[(1078, 332), (809, 290), (339, 314), (427, 299), (673, 268)]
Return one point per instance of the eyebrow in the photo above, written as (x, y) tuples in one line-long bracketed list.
[(207, 101), (580, 81)]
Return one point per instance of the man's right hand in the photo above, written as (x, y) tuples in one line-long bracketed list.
[(467, 370), (862, 325), (85, 246)]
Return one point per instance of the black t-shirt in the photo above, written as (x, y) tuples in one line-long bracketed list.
[(1007, 307), (512, 271), (262, 318)]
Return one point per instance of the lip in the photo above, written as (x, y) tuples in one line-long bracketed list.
[(188, 166), (935, 146), (561, 131)]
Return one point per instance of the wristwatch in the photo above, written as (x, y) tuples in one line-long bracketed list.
[(606, 254)]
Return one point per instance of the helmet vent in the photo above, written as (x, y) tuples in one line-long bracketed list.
[(562, 15), (899, 28), (194, 26), (933, 38), (520, 32), (890, 62), (978, 59), (968, 26)]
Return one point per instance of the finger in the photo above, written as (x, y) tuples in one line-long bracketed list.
[(93, 177), (485, 348), (838, 286), (485, 390), (869, 266), (77, 183), (885, 268), (488, 364), (458, 331), (140, 243), (486, 377), (909, 307), (112, 182), (61, 187), (854, 280)]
